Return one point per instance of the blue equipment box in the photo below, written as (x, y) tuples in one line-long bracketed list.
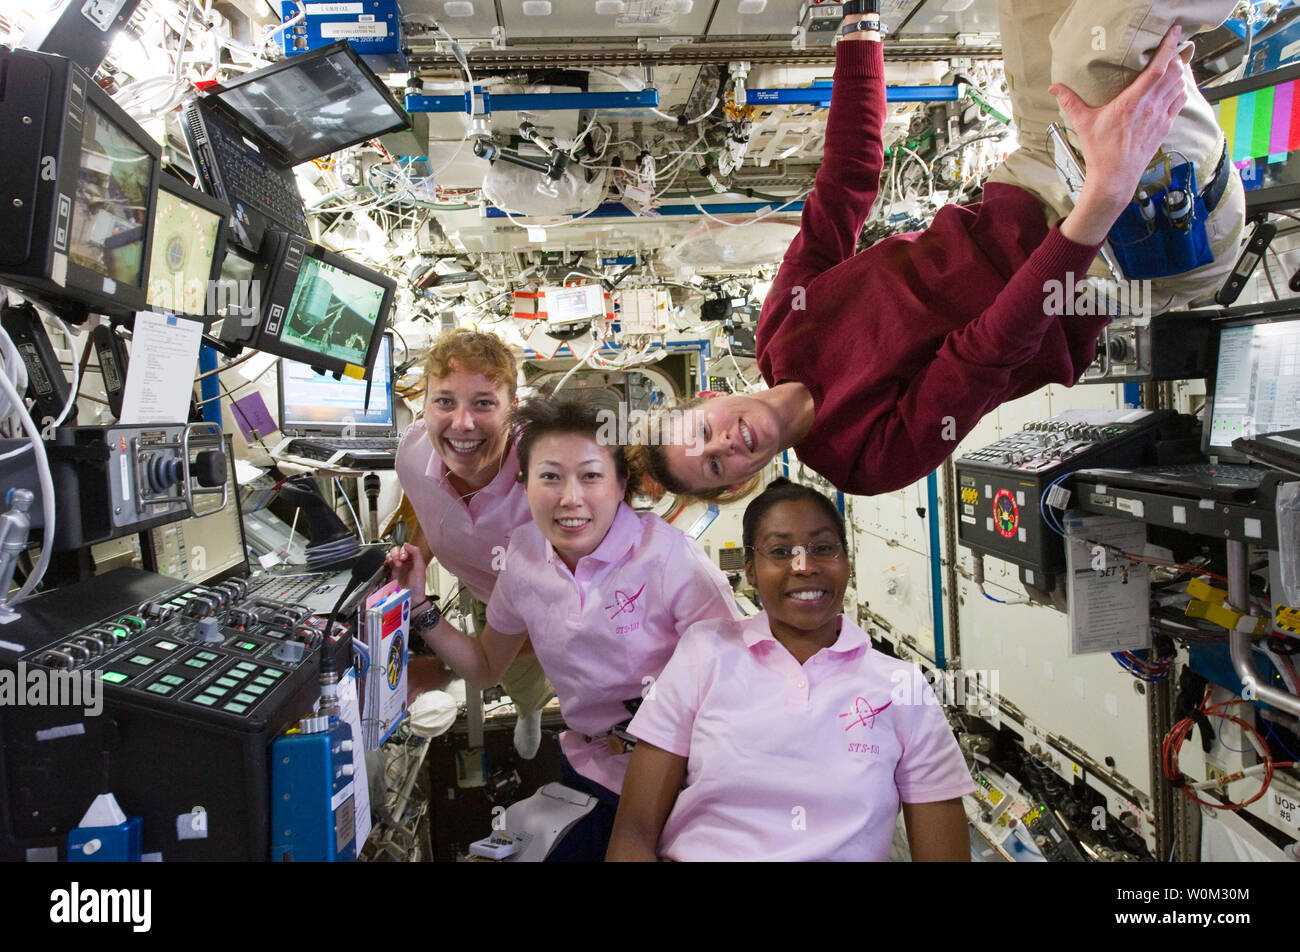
[(313, 801), (372, 27)]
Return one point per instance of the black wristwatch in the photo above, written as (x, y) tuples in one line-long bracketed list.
[(851, 7), (859, 26), (428, 619)]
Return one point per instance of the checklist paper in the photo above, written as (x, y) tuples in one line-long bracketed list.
[(160, 377)]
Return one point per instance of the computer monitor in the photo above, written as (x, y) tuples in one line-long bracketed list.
[(316, 307), (80, 180), (1256, 383), (1256, 115), (313, 104), (573, 305), (189, 245), (312, 403)]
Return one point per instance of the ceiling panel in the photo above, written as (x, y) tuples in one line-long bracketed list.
[(572, 19), (480, 24), (776, 18), (947, 17)]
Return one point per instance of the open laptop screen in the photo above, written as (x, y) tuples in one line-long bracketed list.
[(1256, 385), (314, 104), (318, 403)]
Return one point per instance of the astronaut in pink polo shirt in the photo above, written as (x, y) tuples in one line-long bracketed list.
[(457, 466), (602, 591), (786, 736)]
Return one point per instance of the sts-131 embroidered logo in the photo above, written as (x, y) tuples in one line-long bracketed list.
[(864, 714), (623, 603)]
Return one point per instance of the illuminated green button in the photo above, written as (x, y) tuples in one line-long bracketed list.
[(120, 633), (205, 700), (132, 622), (206, 656), (115, 677), (158, 688), (227, 682), (236, 708), (255, 689), (166, 646), (245, 666), (196, 663), (172, 680), (216, 692), (245, 698), (266, 681), (247, 645), (272, 673), (143, 660)]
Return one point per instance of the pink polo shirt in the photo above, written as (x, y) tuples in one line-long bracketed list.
[(604, 632), (795, 762), (462, 536)]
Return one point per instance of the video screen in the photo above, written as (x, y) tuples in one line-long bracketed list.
[(316, 107), (1262, 129), (180, 265), (312, 399), (332, 313), (1257, 385), (111, 208)]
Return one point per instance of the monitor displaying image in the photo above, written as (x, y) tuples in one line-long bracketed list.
[(185, 243), (111, 207), (348, 104), (332, 313), (309, 399)]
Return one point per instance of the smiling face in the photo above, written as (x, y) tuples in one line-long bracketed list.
[(573, 492), (798, 567), (465, 414), (723, 442)]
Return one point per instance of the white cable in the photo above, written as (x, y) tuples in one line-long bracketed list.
[(46, 479), (731, 224), (580, 364)]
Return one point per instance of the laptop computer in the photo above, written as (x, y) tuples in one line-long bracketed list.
[(246, 135), (1278, 450), (1255, 390), (329, 421)]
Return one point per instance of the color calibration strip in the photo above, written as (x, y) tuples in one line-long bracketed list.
[(1265, 122)]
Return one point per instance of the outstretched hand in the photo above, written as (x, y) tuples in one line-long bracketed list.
[(1118, 139), (406, 565)]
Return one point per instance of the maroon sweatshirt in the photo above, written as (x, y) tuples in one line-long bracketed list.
[(908, 344)]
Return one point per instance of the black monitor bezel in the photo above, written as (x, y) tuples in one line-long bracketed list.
[(39, 274), (208, 203), (1278, 197), (273, 275), (1274, 315), (213, 98)]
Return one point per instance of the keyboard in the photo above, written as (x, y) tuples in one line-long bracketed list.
[(247, 177), (372, 452), (1221, 470)]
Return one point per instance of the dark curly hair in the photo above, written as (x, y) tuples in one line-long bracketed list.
[(783, 490)]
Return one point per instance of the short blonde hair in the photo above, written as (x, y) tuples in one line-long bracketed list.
[(475, 352)]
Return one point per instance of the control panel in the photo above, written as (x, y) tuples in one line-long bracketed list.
[(200, 648), (1000, 486)]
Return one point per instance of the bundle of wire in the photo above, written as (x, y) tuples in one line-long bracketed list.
[(1142, 666), (1173, 744)]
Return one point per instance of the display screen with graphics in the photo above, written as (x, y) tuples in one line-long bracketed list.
[(1260, 118), (318, 400), (332, 312), (111, 207), (185, 242), (1257, 383)]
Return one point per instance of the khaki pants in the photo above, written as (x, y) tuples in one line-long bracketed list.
[(1097, 47), (524, 680)]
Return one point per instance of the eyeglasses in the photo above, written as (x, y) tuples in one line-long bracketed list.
[(786, 554)]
